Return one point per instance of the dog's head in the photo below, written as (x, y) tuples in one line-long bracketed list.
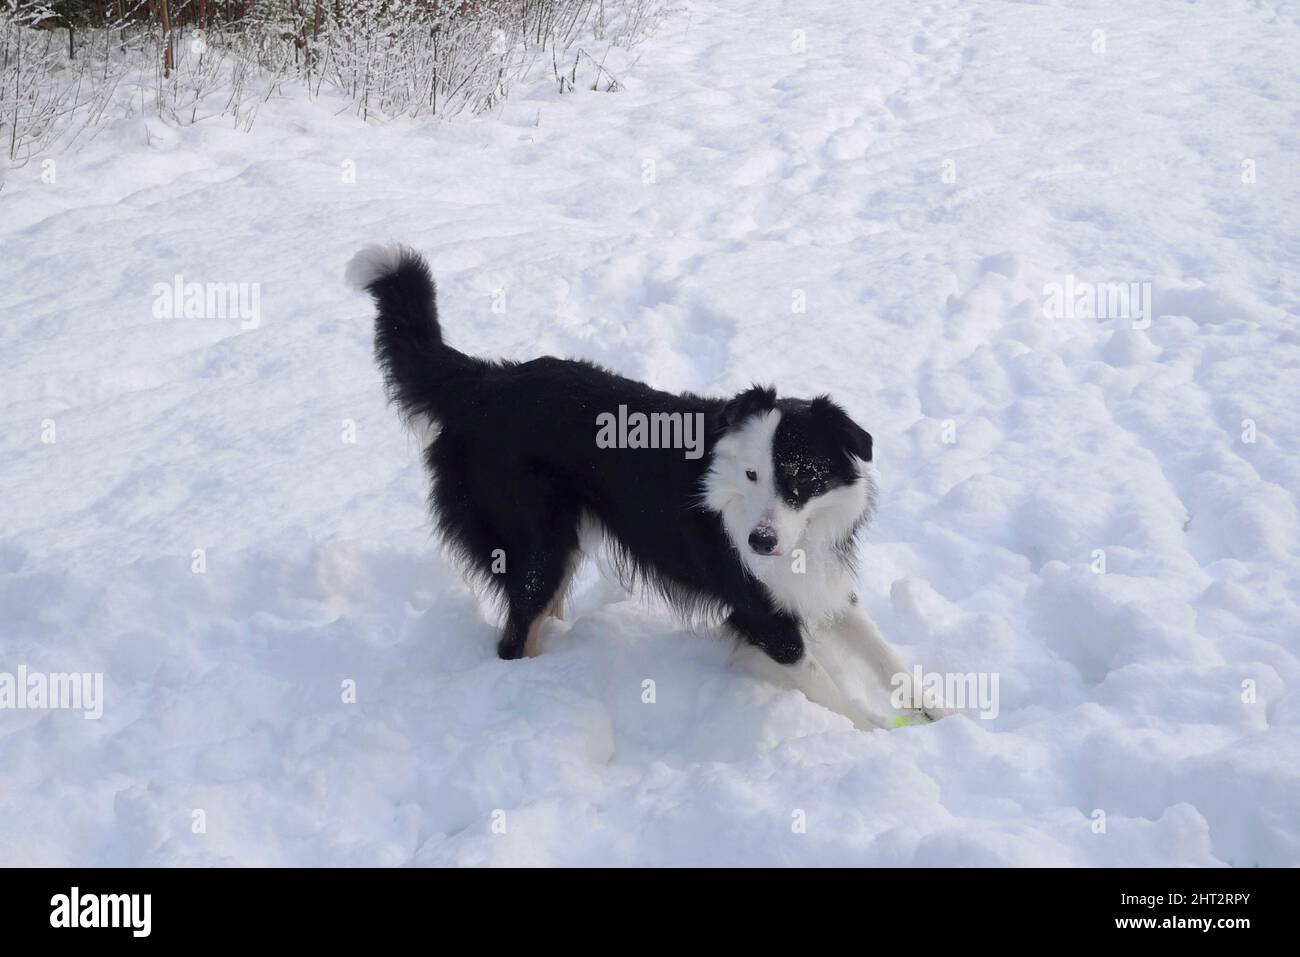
[(788, 474)]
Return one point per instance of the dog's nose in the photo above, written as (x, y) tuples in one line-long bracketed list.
[(763, 540)]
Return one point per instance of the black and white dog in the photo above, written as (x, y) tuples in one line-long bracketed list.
[(751, 518)]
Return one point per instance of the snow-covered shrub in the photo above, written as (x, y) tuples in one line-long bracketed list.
[(66, 65)]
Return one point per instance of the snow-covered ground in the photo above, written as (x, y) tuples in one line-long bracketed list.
[(920, 175)]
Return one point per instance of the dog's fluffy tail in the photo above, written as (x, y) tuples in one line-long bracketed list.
[(408, 340), (398, 279)]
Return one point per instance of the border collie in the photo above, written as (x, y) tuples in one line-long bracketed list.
[(751, 519)]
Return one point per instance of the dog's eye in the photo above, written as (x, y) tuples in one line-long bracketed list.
[(751, 475)]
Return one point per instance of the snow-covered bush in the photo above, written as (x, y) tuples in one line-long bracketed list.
[(66, 65)]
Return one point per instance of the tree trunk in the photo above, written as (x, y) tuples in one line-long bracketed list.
[(300, 32), (165, 15)]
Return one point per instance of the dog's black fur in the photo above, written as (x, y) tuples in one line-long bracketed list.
[(515, 468)]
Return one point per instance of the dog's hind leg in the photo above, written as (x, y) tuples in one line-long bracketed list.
[(533, 643), (556, 609), (534, 582), (529, 597), (524, 617)]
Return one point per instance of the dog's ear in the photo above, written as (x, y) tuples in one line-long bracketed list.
[(755, 399), (854, 439)]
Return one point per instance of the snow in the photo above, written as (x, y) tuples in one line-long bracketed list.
[(919, 174)]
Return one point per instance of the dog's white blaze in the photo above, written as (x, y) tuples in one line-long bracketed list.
[(728, 491), (808, 578)]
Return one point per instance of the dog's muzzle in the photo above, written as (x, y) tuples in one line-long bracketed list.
[(763, 539)]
